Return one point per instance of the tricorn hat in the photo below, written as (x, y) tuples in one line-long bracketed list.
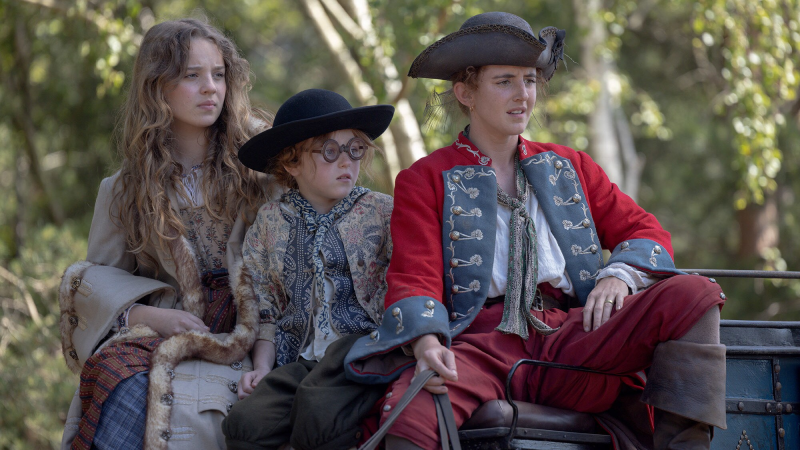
[(311, 113), (492, 38)]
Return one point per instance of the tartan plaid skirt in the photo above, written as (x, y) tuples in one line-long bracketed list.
[(122, 423)]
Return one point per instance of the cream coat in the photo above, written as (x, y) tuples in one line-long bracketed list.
[(193, 375)]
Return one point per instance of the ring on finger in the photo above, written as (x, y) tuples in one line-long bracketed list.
[(610, 301)]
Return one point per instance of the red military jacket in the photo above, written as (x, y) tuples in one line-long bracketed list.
[(443, 229)]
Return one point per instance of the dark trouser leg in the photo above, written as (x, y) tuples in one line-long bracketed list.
[(397, 443), (328, 407), (262, 419), (674, 431), (686, 385)]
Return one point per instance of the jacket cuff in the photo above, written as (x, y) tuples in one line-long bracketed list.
[(645, 255), (371, 360), (91, 297)]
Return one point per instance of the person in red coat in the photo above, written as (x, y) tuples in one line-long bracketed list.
[(498, 257)]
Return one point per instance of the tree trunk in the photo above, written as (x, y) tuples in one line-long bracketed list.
[(403, 141), (407, 135), (364, 92), (20, 170), (794, 111), (758, 228), (22, 119), (610, 138), (633, 163), (601, 126)]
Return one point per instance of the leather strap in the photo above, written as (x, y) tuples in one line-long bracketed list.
[(442, 425), (444, 413), (447, 422)]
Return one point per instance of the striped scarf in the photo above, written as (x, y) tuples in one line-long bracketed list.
[(523, 264)]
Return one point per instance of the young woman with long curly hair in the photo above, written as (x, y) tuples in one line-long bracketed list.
[(159, 318)]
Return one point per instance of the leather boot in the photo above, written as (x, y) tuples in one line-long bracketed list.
[(678, 432), (686, 384)]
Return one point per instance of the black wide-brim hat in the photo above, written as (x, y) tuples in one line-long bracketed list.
[(308, 114), (493, 38)]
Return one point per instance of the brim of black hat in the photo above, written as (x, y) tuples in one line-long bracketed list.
[(484, 45), (263, 147)]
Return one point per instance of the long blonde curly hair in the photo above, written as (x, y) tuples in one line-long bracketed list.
[(148, 168)]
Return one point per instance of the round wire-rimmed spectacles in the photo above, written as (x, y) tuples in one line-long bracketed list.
[(355, 148)]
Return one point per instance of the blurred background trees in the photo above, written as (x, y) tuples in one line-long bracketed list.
[(691, 107)]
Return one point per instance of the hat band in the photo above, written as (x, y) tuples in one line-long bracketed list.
[(480, 29)]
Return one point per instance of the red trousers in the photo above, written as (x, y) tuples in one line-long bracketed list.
[(622, 346)]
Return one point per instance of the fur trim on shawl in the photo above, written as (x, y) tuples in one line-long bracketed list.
[(172, 351), (187, 274), (69, 320), (222, 349)]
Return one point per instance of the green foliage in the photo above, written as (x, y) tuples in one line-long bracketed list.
[(759, 43), (76, 60), (35, 383), (709, 87)]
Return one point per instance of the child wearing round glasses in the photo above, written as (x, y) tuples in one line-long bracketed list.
[(318, 258)]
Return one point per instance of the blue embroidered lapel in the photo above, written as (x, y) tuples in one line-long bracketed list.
[(468, 250), (561, 197)]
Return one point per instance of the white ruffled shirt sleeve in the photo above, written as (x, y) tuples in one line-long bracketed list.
[(635, 279)]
